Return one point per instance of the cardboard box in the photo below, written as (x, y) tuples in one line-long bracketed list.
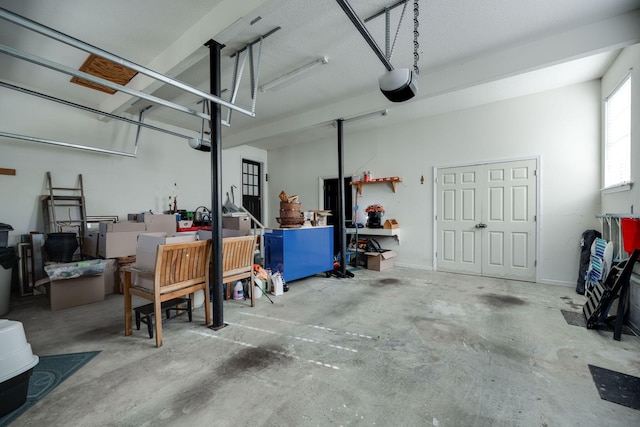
[(390, 224), (74, 292), (242, 223), (226, 232), (380, 261), (118, 244), (147, 248), (111, 277), (114, 227), (122, 262), (90, 243), (160, 223), (320, 218)]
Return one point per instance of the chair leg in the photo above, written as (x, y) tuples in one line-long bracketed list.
[(150, 320), (190, 308), (157, 312), (137, 320), (252, 285), (128, 330), (207, 304)]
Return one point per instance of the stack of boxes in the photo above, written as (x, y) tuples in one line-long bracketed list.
[(119, 239), (116, 242)]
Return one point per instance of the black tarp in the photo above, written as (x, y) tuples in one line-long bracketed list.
[(588, 236)]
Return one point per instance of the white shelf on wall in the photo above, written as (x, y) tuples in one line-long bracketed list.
[(612, 232), (382, 232)]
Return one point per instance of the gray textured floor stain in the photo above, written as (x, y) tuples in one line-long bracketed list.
[(252, 359), (497, 300), (385, 282), (570, 303)]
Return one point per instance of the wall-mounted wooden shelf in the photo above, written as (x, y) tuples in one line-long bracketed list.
[(381, 232), (391, 180)]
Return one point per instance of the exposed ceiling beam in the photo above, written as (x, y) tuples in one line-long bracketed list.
[(582, 42), (188, 46)]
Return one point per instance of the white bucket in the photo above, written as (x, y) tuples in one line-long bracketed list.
[(198, 299), (257, 288)]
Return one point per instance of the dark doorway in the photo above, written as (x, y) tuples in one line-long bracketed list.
[(331, 203), (252, 188)]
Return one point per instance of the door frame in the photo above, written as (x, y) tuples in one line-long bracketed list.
[(321, 189), (262, 184), (538, 222)]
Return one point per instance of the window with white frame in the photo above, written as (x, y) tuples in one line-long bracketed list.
[(617, 144)]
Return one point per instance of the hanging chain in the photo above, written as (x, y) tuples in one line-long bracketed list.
[(395, 39), (416, 45)]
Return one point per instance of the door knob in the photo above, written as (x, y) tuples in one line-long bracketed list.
[(481, 225)]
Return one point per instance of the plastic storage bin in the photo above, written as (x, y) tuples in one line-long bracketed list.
[(16, 365), (75, 269)]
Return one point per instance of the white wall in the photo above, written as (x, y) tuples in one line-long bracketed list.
[(560, 126), (114, 185), (622, 202)]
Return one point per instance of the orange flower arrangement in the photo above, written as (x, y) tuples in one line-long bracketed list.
[(374, 208)]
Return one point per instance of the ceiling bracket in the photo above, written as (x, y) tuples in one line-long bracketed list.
[(387, 23), (141, 121), (351, 14), (254, 69)]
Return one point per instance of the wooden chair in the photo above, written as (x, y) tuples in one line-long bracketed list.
[(180, 269), (237, 262)]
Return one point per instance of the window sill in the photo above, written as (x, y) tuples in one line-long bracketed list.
[(617, 188)]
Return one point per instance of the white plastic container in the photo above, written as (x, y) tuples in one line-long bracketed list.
[(257, 288), (238, 291), (16, 365)]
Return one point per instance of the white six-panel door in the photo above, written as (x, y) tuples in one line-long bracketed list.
[(486, 219)]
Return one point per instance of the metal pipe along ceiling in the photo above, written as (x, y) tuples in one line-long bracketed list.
[(71, 41), (68, 70), (64, 144), (91, 110)]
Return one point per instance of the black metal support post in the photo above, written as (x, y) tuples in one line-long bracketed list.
[(216, 186), (342, 236)]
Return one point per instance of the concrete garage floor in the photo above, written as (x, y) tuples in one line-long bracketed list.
[(402, 347)]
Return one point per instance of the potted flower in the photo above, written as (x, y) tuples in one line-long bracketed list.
[(375, 214)]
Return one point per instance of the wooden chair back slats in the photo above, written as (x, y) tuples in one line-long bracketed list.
[(180, 264), (237, 252), (237, 261)]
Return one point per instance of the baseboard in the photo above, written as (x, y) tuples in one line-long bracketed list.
[(416, 266), (557, 283)]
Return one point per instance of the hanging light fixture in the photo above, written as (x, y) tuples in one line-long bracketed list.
[(286, 78)]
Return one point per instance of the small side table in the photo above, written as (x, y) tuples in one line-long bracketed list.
[(144, 313)]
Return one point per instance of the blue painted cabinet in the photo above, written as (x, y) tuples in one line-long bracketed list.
[(299, 252)]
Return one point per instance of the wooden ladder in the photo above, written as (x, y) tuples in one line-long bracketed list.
[(65, 197)]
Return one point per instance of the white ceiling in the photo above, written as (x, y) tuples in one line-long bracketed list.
[(471, 52)]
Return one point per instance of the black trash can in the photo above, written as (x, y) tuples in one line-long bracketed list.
[(4, 234), (7, 261)]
